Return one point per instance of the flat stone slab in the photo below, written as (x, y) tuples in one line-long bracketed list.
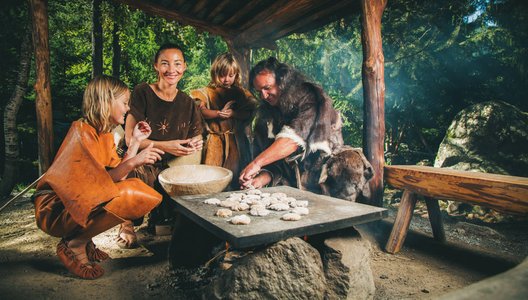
[(326, 214)]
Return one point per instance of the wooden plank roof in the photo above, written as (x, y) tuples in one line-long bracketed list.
[(250, 23)]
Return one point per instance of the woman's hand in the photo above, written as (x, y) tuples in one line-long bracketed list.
[(196, 143), (148, 156), (182, 147), (141, 131), (261, 180)]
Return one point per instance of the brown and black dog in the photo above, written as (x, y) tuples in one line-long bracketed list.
[(346, 174)]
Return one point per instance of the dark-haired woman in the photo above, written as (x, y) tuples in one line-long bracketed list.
[(176, 125)]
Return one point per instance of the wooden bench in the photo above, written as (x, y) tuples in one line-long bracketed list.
[(508, 194)]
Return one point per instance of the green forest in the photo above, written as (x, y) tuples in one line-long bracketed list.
[(440, 57)]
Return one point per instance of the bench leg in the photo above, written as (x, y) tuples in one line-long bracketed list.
[(435, 217), (402, 222)]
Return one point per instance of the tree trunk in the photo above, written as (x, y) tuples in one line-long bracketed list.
[(97, 39), (399, 139), (373, 94), (39, 14), (116, 47), (12, 152), (241, 54)]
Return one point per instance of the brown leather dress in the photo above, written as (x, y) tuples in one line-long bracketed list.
[(77, 186)]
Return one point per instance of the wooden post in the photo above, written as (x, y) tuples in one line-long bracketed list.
[(373, 94), (39, 15), (242, 56)]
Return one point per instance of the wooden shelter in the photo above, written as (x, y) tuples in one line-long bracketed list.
[(247, 24)]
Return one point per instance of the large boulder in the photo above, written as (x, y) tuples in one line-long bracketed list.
[(332, 266), (290, 269), (490, 137), (346, 262)]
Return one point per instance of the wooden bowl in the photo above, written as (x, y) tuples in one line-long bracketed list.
[(194, 179)]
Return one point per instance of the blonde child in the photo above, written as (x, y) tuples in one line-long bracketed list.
[(85, 192), (228, 110)]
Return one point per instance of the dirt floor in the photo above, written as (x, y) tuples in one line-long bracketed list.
[(423, 269)]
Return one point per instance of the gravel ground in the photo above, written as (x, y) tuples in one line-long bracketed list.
[(423, 269)]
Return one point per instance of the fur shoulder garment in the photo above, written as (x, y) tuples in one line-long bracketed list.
[(310, 117)]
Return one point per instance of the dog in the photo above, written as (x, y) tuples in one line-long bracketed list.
[(346, 175)]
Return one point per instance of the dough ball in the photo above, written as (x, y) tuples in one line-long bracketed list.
[(224, 213), (228, 203), (240, 207), (212, 201), (240, 220), (300, 203), (302, 211), (291, 217), (258, 210), (279, 206)]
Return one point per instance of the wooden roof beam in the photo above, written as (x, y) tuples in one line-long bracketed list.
[(217, 10), (179, 17), (275, 10), (242, 12), (179, 3), (320, 18), (278, 14), (198, 6)]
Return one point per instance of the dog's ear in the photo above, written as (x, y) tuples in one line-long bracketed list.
[(368, 170)]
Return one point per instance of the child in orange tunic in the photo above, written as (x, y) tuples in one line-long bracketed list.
[(85, 192), (228, 110)]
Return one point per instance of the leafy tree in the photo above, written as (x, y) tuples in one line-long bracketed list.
[(440, 57), (11, 166), (97, 39), (14, 102)]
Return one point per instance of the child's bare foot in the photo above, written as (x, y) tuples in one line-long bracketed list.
[(126, 238)]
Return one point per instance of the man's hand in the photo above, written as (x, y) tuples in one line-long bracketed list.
[(249, 172), (258, 182)]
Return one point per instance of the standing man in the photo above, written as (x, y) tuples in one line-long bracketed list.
[(296, 129)]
